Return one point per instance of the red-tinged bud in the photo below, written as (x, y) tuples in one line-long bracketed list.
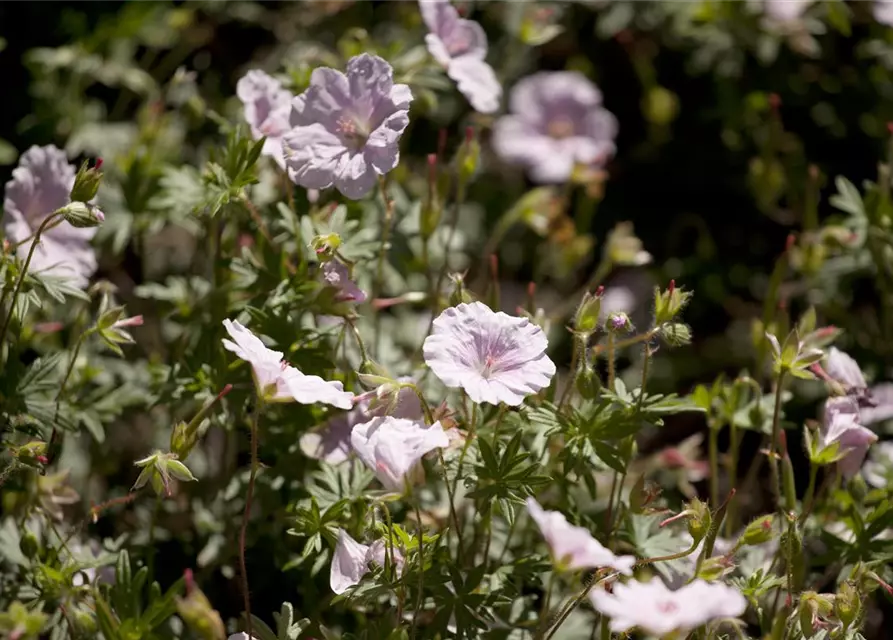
[(789, 243), (813, 172), (441, 142), (43, 459), (783, 442), (225, 391), (98, 164), (432, 167), (672, 457), (774, 101), (672, 519), (190, 581), (469, 134), (671, 287), (48, 327), (600, 291)]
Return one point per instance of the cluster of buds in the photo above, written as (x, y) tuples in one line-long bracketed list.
[(81, 212), (793, 356), (158, 469)]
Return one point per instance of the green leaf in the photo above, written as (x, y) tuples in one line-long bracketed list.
[(848, 198)]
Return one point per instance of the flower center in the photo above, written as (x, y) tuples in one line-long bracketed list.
[(352, 132), (560, 128), (667, 607), (489, 365), (458, 44)]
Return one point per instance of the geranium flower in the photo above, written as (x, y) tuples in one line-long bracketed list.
[(556, 121), (786, 11), (267, 107), (275, 379), (393, 448), (654, 609), (574, 547), (331, 443), (41, 185), (336, 275), (494, 357), (460, 45), (883, 12), (840, 424), (346, 128), (350, 561), (844, 369)]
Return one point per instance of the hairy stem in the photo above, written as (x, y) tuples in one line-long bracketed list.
[(248, 498), (776, 438), (50, 219), (418, 601), (378, 284), (713, 449)]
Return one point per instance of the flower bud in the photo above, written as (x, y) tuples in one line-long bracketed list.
[(199, 616), (32, 453), (82, 214), (586, 318), (715, 568), (618, 322), (86, 183), (468, 158), (668, 304), (587, 381), (675, 334), (460, 293), (699, 519), (807, 613), (624, 249), (28, 545), (847, 603), (758, 532)]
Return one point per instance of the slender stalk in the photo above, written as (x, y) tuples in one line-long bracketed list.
[(579, 351), (732, 473), (713, 453), (54, 436), (672, 556), (544, 610), (508, 540), (418, 601), (356, 334), (378, 284), (611, 363), (776, 437), (628, 342), (15, 292), (248, 497), (453, 514), (573, 605), (809, 498)]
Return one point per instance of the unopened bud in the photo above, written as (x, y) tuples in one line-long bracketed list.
[(847, 603), (82, 214), (758, 532), (618, 322), (86, 182), (586, 318), (468, 157)]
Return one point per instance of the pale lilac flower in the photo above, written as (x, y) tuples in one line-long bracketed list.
[(275, 379), (460, 45), (331, 443), (557, 121), (494, 357), (786, 11), (574, 547), (267, 107), (844, 369), (41, 185), (350, 561), (393, 448), (652, 608), (345, 129), (883, 12), (336, 275), (882, 396), (840, 424)]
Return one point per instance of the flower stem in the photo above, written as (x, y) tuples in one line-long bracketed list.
[(672, 556), (573, 605), (54, 436), (611, 363), (810, 492), (248, 497), (453, 514), (378, 285), (23, 274), (776, 438), (732, 473), (713, 453), (418, 601)]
